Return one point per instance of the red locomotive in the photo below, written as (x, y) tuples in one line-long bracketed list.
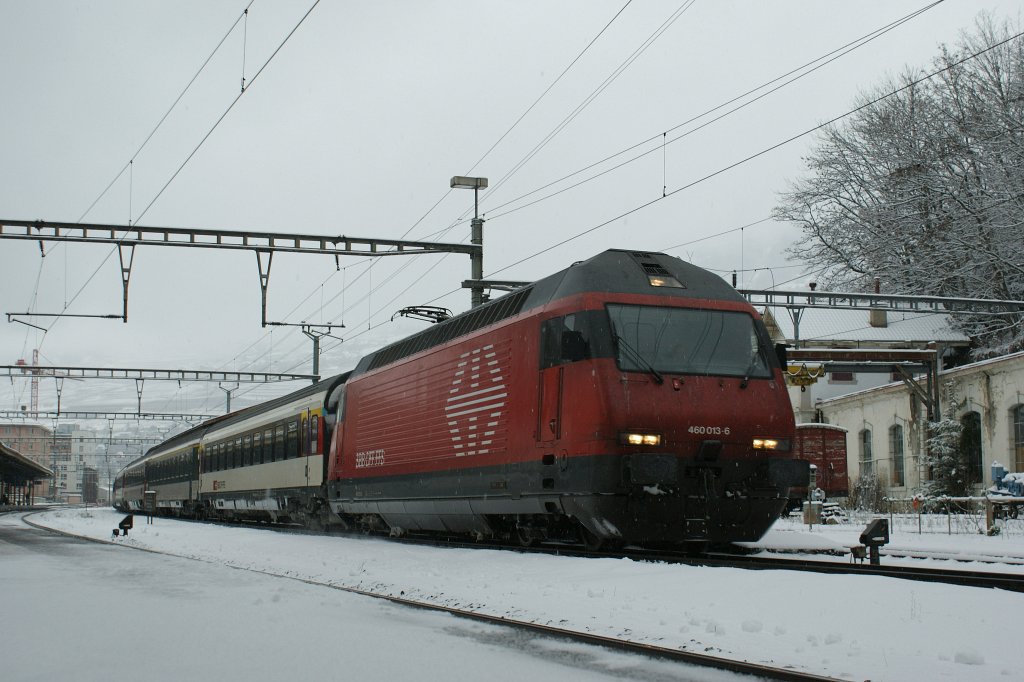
[(631, 398)]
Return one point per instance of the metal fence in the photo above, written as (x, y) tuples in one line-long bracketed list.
[(951, 515)]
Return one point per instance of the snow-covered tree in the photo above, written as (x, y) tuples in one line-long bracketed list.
[(923, 188), (946, 460)]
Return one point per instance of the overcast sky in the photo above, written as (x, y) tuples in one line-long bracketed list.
[(355, 127)]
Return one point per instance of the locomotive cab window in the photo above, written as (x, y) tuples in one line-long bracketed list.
[(574, 337), (689, 341)]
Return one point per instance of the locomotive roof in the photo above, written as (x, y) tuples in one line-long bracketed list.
[(622, 271), (612, 271)]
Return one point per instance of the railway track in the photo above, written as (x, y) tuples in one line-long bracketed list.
[(984, 579), (989, 579), (679, 655)]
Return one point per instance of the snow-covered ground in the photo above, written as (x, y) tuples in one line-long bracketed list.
[(968, 551), (843, 626)]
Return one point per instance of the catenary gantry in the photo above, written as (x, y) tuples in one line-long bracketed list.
[(153, 374), (796, 300), (902, 363), (107, 416), (264, 244), (142, 375)]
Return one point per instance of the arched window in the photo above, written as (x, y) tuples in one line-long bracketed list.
[(866, 458), (970, 445), (896, 453), (1017, 420)]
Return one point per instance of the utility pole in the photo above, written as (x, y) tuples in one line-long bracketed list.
[(476, 258), (227, 408), (317, 332)]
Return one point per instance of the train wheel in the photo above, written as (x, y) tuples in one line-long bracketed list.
[(524, 537)]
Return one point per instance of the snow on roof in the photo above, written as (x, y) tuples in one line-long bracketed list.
[(898, 385), (984, 363), (827, 324), (818, 425)]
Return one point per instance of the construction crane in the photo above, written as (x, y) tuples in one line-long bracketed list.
[(36, 371), (34, 400)]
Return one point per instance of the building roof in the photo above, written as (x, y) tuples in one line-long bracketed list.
[(15, 466), (839, 328), (962, 369)]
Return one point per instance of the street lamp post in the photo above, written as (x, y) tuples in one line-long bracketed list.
[(476, 234)]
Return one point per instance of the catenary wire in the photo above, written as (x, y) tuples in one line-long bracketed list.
[(142, 146), (189, 157), (765, 151), (594, 94), (474, 166), (797, 74), (645, 205), (751, 157)]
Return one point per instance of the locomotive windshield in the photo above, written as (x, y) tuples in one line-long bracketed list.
[(687, 341)]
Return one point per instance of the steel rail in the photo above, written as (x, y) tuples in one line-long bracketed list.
[(986, 579)]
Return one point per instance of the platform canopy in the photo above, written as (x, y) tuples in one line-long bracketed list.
[(17, 469)]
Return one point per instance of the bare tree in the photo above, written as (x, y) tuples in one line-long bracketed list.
[(924, 186)]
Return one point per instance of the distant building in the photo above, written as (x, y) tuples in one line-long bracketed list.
[(73, 448), (90, 485), (886, 422), (33, 441)]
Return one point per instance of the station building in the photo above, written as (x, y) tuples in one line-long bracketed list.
[(35, 442), (886, 426), (19, 477), (67, 452), (885, 420)]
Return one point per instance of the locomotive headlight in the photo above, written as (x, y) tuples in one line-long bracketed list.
[(770, 444), (640, 438)]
